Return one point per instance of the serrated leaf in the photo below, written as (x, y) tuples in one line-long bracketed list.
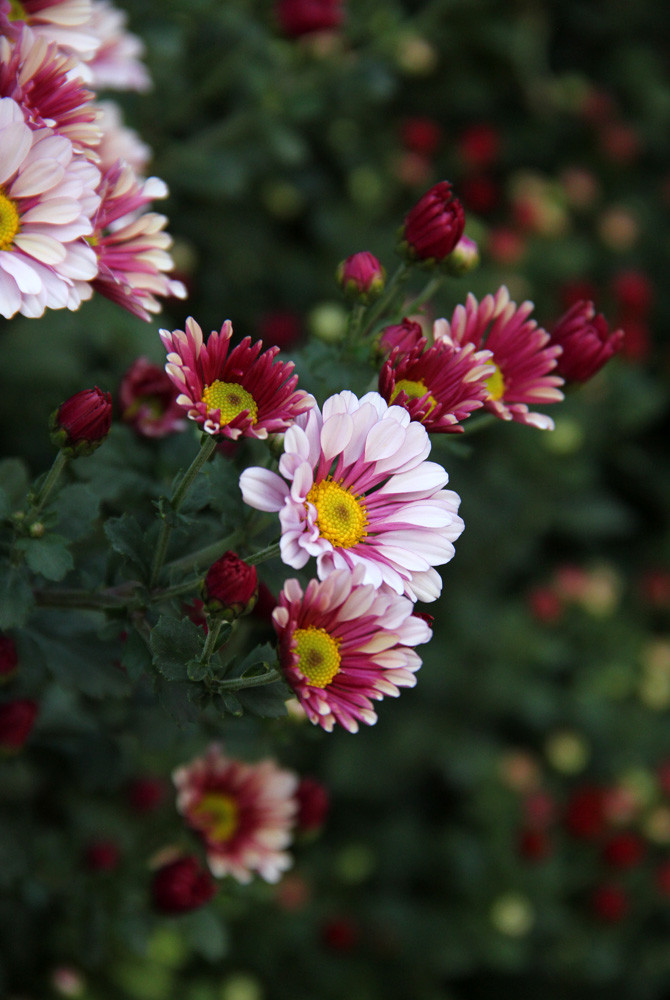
[(267, 701), (49, 556), (196, 670), (127, 537), (136, 656), (251, 663), (14, 480), (174, 698), (174, 644), (77, 508), (229, 702), (16, 598), (84, 664)]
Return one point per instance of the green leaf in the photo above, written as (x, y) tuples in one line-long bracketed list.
[(205, 933), (84, 663), (127, 537), (174, 644), (196, 670), (267, 701), (16, 598), (136, 656), (174, 698), (253, 661), (77, 508), (14, 480), (5, 506), (48, 556)]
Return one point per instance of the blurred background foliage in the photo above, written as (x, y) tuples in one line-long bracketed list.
[(467, 852)]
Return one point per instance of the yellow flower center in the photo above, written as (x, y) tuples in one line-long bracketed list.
[(341, 516), (496, 385), (220, 813), (16, 11), (318, 655), (415, 390), (231, 399), (10, 221)]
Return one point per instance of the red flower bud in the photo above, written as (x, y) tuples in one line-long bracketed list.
[(586, 341), (82, 422), (313, 804), (302, 17), (633, 291), (625, 850), (405, 336), (9, 658), (421, 135), (479, 145), (102, 855), (17, 719), (148, 401), (610, 903), (361, 276), (434, 226), (231, 587), (182, 885)]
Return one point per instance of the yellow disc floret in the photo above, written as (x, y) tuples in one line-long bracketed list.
[(318, 655), (496, 385), (415, 390), (340, 515), (16, 11), (231, 399), (10, 221), (220, 813)]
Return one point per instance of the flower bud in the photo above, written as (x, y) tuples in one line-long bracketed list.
[(361, 277), (463, 258), (313, 805), (230, 588), (82, 422), (182, 885), (148, 401), (17, 719), (405, 336), (433, 227), (303, 17), (9, 658), (586, 341)]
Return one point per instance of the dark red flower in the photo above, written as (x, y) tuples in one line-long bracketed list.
[(624, 850), (571, 292), (637, 342), (339, 934), (281, 328), (480, 193), (182, 885), (313, 804), (361, 276), (404, 336), (655, 588), (425, 617), (479, 145), (303, 17), (102, 855), (433, 227), (585, 813), (586, 341), (534, 845), (148, 401), (82, 422), (231, 587), (610, 903), (146, 793), (265, 604), (17, 719), (544, 605), (421, 135), (633, 292), (539, 809), (9, 658)]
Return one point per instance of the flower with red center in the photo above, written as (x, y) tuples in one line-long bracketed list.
[(44, 82), (17, 719), (117, 63), (230, 588), (244, 813), (239, 394), (130, 244), (182, 885), (345, 643), (624, 850), (148, 401), (82, 422), (610, 903), (586, 341), (313, 805), (404, 336), (361, 493), (303, 17), (522, 354), (9, 658), (47, 197), (361, 276), (433, 227), (66, 22), (440, 386)]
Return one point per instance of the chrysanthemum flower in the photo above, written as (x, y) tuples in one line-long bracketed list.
[(66, 22), (439, 386), (586, 340), (117, 64), (361, 492), (243, 812), (118, 141), (47, 196), (241, 393), (345, 643), (44, 81), (522, 354), (131, 244)]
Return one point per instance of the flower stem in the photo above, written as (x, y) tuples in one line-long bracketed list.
[(214, 628), (115, 598), (267, 553), (204, 556), (240, 683), (53, 475), (394, 285), (426, 293), (206, 451)]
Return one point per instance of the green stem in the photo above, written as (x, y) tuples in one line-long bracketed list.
[(214, 625), (394, 285), (102, 600), (267, 553), (166, 593), (355, 323), (53, 475), (427, 293), (240, 683), (204, 556), (206, 451)]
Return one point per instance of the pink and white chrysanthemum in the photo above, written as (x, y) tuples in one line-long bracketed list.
[(440, 386), (244, 813), (117, 64), (131, 244), (355, 489), (522, 353), (244, 393), (65, 22), (118, 141), (344, 644), (47, 197), (44, 81)]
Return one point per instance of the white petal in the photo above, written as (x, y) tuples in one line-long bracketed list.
[(24, 275), (262, 489), (44, 248), (15, 142), (39, 176)]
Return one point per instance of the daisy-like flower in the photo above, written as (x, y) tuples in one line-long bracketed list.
[(345, 643), (118, 141), (117, 64), (239, 394), (523, 356), (586, 340), (360, 492), (65, 22), (439, 386), (131, 244), (47, 197), (243, 812), (44, 81)]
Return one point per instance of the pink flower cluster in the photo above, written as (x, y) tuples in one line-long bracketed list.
[(73, 206)]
